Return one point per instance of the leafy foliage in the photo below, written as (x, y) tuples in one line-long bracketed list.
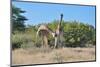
[(23, 40)]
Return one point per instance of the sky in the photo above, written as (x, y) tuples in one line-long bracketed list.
[(44, 13)]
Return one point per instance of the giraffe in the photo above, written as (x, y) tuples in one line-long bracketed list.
[(58, 32), (44, 31)]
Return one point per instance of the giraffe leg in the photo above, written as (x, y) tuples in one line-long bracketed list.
[(56, 41), (45, 41)]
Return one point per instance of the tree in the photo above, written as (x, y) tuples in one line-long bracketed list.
[(17, 19)]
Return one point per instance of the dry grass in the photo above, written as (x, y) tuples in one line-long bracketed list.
[(41, 55)]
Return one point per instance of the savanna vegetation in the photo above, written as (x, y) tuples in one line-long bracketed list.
[(75, 34)]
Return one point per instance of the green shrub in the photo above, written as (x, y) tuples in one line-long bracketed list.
[(22, 38), (16, 41)]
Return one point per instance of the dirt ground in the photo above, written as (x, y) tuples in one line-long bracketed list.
[(47, 55)]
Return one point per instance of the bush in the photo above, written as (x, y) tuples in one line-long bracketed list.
[(16, 41), (79, 35), (21, 39)]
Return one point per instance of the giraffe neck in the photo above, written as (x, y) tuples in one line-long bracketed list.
[(58, 30)]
